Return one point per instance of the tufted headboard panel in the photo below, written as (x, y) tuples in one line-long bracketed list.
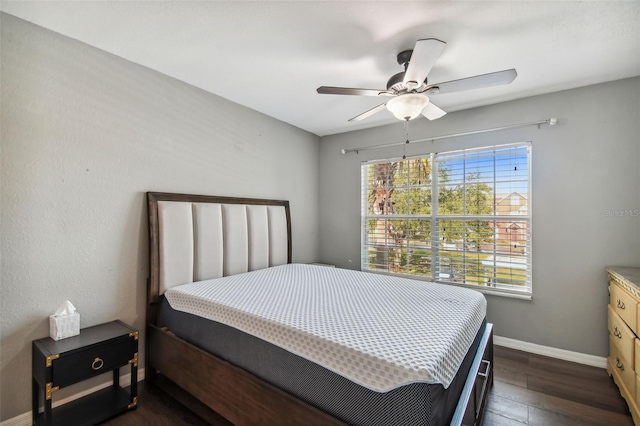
[(196, 237)]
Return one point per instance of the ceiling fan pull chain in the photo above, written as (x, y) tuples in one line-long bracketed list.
[(406, 132)]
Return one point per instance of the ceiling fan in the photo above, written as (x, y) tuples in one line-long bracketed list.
[(409, 90)]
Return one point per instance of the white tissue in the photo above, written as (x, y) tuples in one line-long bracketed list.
[(66, 308), (65, 322)]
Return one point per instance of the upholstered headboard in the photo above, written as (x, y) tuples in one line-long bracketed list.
[(198, 237)]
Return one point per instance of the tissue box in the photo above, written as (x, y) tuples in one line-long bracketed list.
[(63, 326)]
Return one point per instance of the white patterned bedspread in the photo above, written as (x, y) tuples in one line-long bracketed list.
[(378, 331)]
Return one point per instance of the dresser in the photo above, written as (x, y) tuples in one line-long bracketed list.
[(623, 363)]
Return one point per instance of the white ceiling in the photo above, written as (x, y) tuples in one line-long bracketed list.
[(271, 56)]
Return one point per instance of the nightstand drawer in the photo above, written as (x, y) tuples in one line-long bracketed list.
[(92, 361), (625, 305), (623, 368), (621, 335)]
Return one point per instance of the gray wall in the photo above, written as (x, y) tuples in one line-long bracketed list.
[(84, 135), (586, 165)]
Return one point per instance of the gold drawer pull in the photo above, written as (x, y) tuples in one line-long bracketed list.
[(620, 304), (619, 364), (97, 364), (616, 332)]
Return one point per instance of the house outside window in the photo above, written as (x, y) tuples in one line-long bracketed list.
[(460, 217)]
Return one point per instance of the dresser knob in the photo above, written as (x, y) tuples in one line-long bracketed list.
[(620, 304), (619, 364), (97, 364), (617, 333)]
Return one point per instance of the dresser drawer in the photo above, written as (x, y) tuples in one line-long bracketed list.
[(622, 336), (624, 305), (636, 351), (92, 361), (638, 390), (623, 368)]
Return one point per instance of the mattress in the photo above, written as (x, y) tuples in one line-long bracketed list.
[(416, 404), (380, 332)]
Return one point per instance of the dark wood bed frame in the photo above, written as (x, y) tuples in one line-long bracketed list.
[(241, 397)]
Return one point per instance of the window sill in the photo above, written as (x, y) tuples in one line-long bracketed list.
[(495, 292), (482, 289)]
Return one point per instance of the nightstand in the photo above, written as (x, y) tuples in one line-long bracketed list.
[(96, 350)]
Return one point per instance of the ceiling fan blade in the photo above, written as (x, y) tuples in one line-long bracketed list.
[(424, 56), (432, 112), (369, 113), (326, 90), (477, 82)]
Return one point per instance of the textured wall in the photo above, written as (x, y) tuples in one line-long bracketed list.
[(584, 170), (84, 135)]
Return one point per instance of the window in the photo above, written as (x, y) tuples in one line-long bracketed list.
[(458, 217)]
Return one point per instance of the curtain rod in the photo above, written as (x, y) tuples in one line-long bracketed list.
[(550, 121)]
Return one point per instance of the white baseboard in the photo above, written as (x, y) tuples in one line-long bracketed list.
[(26, 420), (21, 420), (580, 358)]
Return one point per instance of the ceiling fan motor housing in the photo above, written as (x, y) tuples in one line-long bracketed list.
[(396, 82)]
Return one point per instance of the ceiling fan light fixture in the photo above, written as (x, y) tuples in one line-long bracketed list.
[(408, 106)]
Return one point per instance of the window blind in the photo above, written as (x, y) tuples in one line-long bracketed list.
[(461, 217)]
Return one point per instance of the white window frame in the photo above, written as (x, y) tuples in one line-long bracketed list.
[(438, 273)]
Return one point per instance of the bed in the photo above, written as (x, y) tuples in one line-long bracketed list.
[(223, 245)]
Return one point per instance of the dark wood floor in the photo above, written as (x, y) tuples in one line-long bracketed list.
[(528, 390), (536, 390)]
